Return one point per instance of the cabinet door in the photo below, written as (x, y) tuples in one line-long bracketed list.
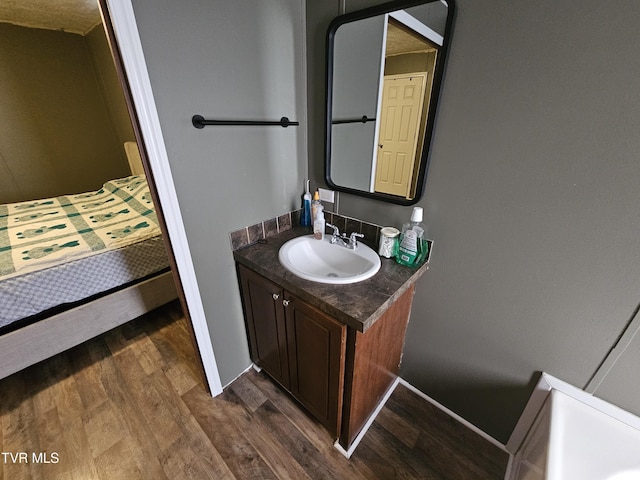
[(264, 313), (316, 360)]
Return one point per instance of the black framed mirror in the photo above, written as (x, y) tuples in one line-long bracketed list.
[(385, 67)]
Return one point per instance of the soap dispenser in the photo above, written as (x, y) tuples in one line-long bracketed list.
[(318, 217), (413, 248)]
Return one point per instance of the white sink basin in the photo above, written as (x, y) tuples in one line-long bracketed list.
[(320, 261)]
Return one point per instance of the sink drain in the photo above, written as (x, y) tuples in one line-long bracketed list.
[(332, 275)]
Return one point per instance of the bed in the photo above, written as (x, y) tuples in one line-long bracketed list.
[(75, 266)]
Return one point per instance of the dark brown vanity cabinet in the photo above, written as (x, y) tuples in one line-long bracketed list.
[(301, 347), (339, 371)]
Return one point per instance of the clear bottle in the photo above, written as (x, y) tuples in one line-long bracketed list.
[(318, 217), (413, 247)]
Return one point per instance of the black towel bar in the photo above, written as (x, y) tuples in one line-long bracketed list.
[(200, 122), (363, 119)]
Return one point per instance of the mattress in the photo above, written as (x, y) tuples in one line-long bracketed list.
[(62, 250)]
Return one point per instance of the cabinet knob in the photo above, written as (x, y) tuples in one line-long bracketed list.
[(285, 302), (276, 296)]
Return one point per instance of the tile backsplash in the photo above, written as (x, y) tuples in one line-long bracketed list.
[(253, 233)]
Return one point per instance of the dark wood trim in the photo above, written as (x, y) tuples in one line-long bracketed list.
[(124, 82), (373, 364)]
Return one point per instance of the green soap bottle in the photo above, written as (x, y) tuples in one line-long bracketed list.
[(413, 247)]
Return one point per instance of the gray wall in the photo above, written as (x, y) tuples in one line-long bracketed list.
[(227, 60), (532, 201), (57, 133)]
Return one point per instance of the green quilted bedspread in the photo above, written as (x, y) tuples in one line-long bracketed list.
[(40, 233)]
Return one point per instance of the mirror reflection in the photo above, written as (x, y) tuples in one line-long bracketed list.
[(384, 70)]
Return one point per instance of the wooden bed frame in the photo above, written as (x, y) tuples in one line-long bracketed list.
[(38, 341)]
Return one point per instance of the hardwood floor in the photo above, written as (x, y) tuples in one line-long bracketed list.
[(129, 404)]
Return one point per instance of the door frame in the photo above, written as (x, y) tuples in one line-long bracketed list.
[(129, 48)]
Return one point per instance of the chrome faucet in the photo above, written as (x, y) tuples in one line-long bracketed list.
[(350, 242), (335, 236)]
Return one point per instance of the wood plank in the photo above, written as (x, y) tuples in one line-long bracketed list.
[(248, 392), (156, 412), (404, 461), (299, 447), (146, 455), (46, 378), (168, 347), (199, 446), (50, 433), (303, 421), (67, 400), (171, 337), (78, 460), (103, 428), (377, 461), (180, 462), (312, 430), (18, 425), (117, 462), (229, 428), (404, 430), (448, 463), (90, 388), (182, 378), (446, 430)]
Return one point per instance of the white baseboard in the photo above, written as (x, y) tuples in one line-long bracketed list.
[(253, 365), (372, 417), (454, 415)]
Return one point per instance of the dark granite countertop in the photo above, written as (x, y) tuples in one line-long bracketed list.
[(357, 305)]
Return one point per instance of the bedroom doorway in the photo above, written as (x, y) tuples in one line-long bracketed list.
[(90, 53), (122, 32)]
